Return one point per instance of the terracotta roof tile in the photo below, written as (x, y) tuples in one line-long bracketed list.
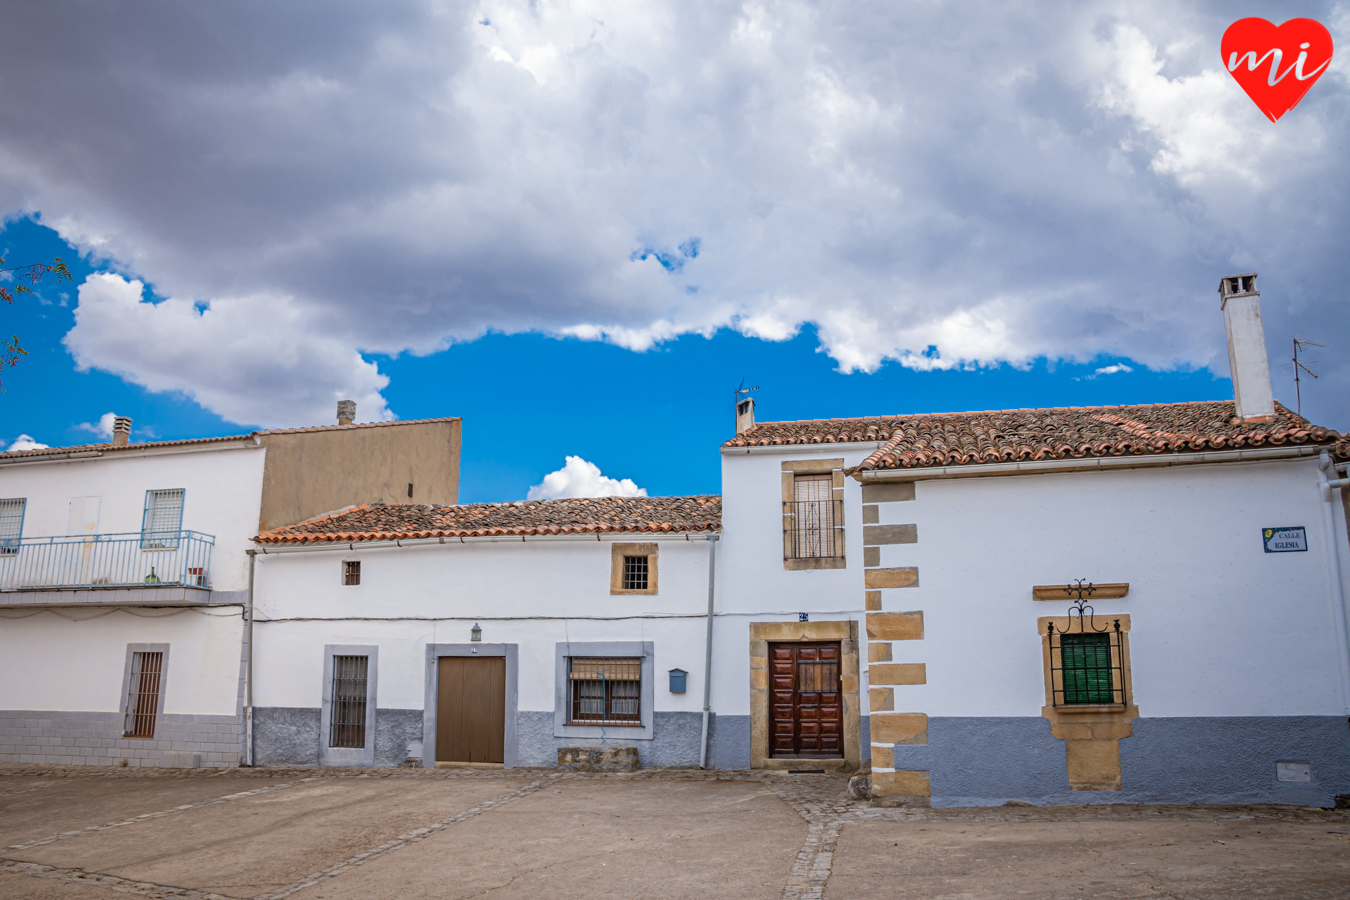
[(154, 445), (600, 515), (953, 439)]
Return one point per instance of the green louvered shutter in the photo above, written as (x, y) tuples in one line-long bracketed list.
[(1087, 668)]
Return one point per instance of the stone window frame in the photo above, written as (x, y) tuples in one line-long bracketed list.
[(562, 725), (349, 756), (790, 470), (845, 631), (616, 554), (132, 650), (1091, 733)]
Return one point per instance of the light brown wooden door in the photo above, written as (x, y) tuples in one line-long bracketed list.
[(805, 704), (471, 709)]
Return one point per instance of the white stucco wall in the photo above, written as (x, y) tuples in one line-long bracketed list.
[(222, 497), (534, 594), (54, 663)]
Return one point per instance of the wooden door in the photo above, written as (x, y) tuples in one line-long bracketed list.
[(805, 703), (471, 709)]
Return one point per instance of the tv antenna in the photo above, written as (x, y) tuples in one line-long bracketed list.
[(1301, 366), (736, 395)]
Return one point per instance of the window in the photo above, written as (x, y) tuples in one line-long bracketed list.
[(163, 519), (813, 523), (11, 525), (1087, 662), (632, 569), (605, 690), (351, 572), (347, 727), (635, 573), (143, 694)]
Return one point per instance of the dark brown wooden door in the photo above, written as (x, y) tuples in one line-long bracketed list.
[(805, 704), (471, 709)]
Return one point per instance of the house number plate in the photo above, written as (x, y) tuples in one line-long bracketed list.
[(1285, 540)]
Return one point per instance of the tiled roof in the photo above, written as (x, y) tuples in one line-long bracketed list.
[(953, 439), (599, 515), (154, 445)]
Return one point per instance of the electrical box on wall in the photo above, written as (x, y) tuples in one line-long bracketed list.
[(677, 677)]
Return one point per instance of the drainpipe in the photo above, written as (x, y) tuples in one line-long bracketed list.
[(248, 668), (707, 656), (1333, 541)]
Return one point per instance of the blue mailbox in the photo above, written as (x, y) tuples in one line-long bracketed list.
[(677, 680)]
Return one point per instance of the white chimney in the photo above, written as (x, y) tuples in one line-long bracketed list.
[(745, 414), (121, 430), (1247, 347), (346, 412)]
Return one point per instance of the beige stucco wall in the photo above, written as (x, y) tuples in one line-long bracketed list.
[(311, 473)]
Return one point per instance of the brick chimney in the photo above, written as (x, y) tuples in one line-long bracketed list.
[(121, 430), (346, 411), (745, 414), (1241, 303)]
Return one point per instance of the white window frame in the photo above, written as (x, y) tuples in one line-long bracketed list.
[(562, 690), (9, 539)]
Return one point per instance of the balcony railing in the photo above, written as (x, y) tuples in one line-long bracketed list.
[(173, 558)]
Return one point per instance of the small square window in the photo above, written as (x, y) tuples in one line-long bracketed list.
[(635, 573), (351, 572)]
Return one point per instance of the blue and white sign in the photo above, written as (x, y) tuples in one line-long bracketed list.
[(1285, 540)]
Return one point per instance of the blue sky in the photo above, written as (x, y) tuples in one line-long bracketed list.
[(579, 224)]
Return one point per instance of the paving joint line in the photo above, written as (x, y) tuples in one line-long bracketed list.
[(406, 840), (145, 817), (112, 882), (825, 813)]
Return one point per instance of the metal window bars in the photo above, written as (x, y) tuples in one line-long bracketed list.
[(1087, 666), (163, 519), (347, 723), (143, 694), (351, 572), (105, 561), (635, 573), (606, 690), (11, 524), (814, 528)]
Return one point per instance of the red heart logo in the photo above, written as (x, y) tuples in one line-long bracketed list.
[(1276, 66)]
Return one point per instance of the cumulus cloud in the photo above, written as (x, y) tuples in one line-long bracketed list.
[(1112, 370), (26, 442), (938, 184), (103, 427), (579, 478)]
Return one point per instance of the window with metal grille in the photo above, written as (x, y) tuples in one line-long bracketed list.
[(348, 725), (163, 519), (143, 694), (635, 573), (606, 690), (11, 525), (351, 572), (1087, 667), (813, 518)]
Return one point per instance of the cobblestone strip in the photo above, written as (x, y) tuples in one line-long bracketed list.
[(112, 882), (405, 840), (825, 807), (155, 815), (4, 794)]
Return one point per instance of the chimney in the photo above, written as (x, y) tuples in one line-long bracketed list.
[(1247, 348), (347, 411), (121, 430), (745, 414)]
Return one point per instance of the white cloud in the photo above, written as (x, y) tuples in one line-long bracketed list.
[(26, 442), (1112, 370), (579, 478), (103, 427), (996, 181)]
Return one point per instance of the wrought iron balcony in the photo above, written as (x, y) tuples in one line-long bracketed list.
[(171, 558)]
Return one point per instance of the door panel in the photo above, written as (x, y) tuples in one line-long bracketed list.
[(805, 702), (471, 709)]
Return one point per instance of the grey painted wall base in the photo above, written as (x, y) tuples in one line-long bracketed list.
[(285, 736), (674, 741), (64, 738), (988, 761)]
